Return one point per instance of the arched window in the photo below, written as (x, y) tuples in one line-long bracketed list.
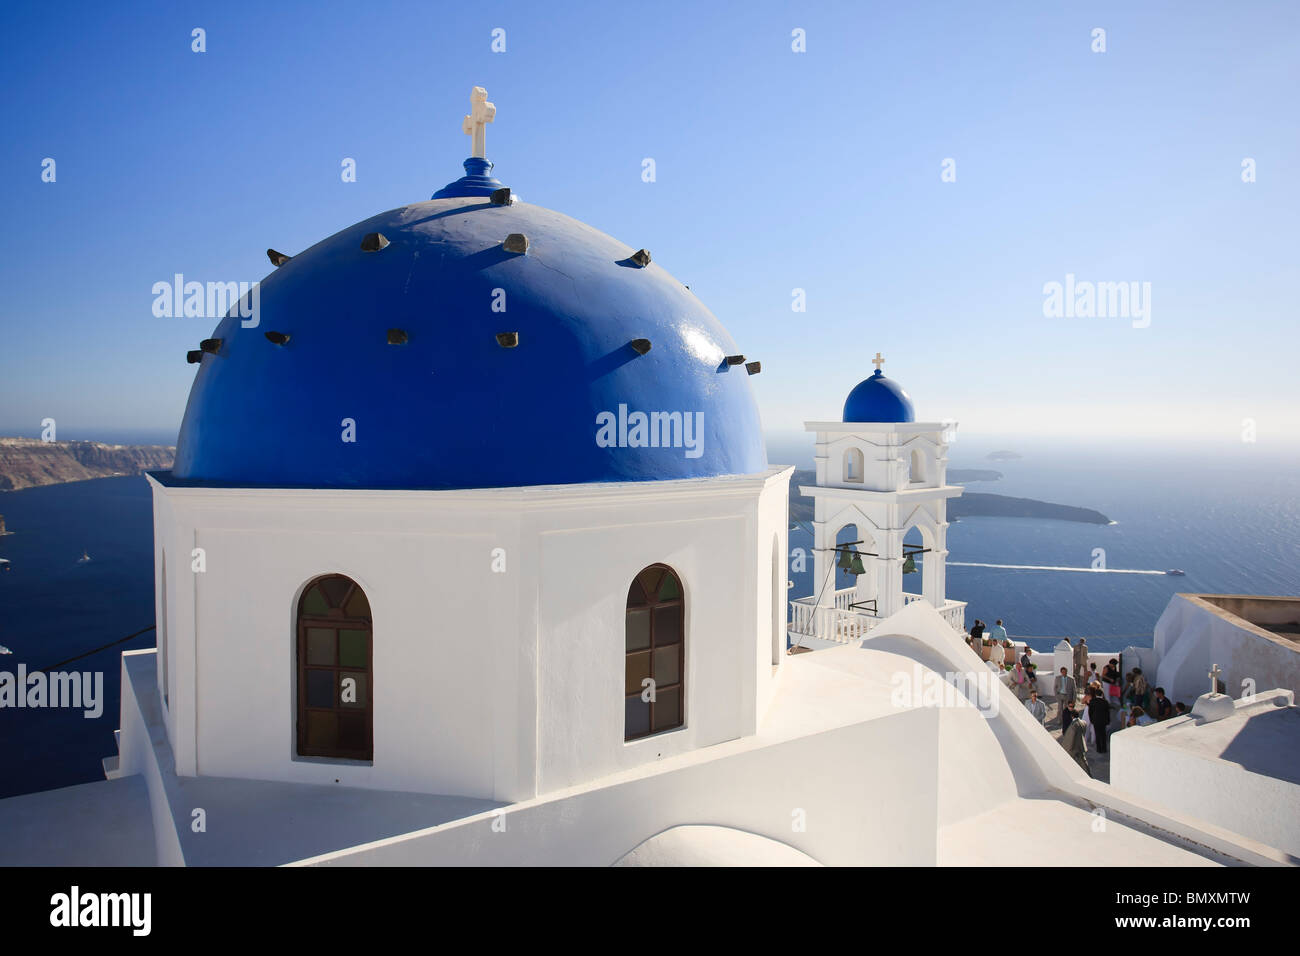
[(853, 464), (918, 466), (654, 678), (335, 690)]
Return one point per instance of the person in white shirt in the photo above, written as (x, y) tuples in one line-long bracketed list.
[(1139, 717)]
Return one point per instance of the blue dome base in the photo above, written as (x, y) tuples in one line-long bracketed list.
[(475, 182)]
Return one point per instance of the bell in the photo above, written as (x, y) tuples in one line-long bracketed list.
[(843, 562), (855, 567), (909, 566)]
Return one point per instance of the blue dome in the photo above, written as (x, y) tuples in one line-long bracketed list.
[(451, 407), (878, 399)]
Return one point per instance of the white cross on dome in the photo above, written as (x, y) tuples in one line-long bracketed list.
[(481, 113)]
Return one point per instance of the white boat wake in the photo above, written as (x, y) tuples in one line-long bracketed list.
[(1041, 567)]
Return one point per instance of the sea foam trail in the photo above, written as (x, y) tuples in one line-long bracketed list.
[(1043, 567)]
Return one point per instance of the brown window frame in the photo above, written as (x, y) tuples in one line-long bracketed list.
[(336, 620), (652, 604)]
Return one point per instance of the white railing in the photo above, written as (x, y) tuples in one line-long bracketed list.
[(844, 597), (954, 612), (801, 616), (841, 623), (846, 626)]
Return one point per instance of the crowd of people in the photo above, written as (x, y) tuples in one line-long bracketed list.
[(995, 638), (1092, 704)]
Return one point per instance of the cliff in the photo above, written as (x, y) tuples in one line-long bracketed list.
[(973, 505), (960, 476), (969, 505), (28, 462)]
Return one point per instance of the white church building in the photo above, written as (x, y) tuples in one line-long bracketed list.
[(472, 554)]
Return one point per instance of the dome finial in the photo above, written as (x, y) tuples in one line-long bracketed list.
[(481, 112), (878, 361), (478, 179)]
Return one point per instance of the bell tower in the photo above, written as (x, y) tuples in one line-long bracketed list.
[(884, 473)]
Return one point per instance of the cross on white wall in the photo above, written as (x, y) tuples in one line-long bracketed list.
[(480, 114), (878, 361), (1214, 678)]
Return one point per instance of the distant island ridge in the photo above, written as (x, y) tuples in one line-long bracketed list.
[(31, 462), (970, 505), (961, 475)]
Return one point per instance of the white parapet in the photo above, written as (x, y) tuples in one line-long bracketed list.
[(1239, 771)]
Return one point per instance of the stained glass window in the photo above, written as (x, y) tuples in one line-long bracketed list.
[(655, 654), (335, 692)]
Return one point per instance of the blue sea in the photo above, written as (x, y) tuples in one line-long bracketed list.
[(53, 607), (1229, 517)]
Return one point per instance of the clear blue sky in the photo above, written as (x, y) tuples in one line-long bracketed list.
[(775, 170)]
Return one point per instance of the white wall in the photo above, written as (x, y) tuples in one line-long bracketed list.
[(585, 573), (801, 793), (494, 685), (1204, 784), (974, 774), (772, 571), (1192, 634), (143, 752)]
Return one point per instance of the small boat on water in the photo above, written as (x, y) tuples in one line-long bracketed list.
[(1176, 572), (85, 557), (4, 564)]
